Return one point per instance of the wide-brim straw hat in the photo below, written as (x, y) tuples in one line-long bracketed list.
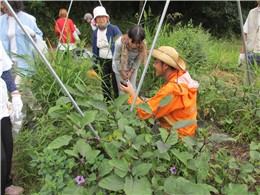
[(169, 56)]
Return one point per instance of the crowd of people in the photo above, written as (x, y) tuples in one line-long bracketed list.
[(117, 58)]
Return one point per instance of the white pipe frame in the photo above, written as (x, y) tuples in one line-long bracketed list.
[(150, 53)]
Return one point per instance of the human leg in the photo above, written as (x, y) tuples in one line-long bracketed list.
[(7, 150)]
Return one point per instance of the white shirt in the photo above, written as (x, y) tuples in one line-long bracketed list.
[(103, 45), (11, 35), (5, 64)]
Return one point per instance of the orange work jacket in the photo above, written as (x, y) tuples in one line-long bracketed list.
[(182, 106)]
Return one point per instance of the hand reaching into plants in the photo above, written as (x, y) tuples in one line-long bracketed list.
[(124, 75)]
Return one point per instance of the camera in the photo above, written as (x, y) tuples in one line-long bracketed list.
[(123, 83)]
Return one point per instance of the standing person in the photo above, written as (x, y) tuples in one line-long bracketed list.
[(66, 39), (7, 82), (130, 51), (252, 36), (14, 40), (89, 19), (169, 65), (103, 47)]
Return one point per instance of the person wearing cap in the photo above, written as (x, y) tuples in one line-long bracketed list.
[(252, 37), (103, 47), (89, 19), (169, 65)]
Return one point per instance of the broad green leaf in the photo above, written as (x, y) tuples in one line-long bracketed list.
[(118, 102), (112, 182), (164, 133), (120, 167), (74, 117), (182, 156), (163, 155), (247, 167), (217, 137), (111, 148), (173, 138), (98, 104), (166, 100), (80, 87), (134, 186), (147, 154), (254, 146), (104, 168), (179, 185), (162, 147), (148, 138), (88, 118), (56, 112), (132, 153), (71, 153), (183, 123), (142, 169), (234, 189), (145, 107), (86, 151), (75, 189), (62, 101), (60, 141), (122, 122), (254, 155), (189, 141), (74, 91), (130, 131)]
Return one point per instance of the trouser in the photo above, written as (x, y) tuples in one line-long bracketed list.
[(6, 153), (132, 80), (109, 85)]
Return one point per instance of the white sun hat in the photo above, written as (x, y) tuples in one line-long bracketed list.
[(100, 11)]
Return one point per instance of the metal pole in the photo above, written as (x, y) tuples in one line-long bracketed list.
[(48, 65), (142, 13), (65, 22), (100, 3), (244, 42), (150, 53)]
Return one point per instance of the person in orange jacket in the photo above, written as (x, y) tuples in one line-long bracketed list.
[(169, 65)]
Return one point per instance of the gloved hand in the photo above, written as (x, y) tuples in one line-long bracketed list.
[(241, 59), (17, 104), (29, 30)]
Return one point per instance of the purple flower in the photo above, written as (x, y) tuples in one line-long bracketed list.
[(79, 179), (173, 170)]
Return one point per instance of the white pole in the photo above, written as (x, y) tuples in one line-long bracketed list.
[(65, 22), (49, 66), (141, 13), (150, 53), (244, 42)]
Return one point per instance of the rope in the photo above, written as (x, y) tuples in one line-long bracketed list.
[(150, 53)]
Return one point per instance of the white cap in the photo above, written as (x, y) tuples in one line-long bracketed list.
[(100, 11)]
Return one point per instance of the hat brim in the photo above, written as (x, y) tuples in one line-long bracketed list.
[(164, 57), (102, 15)]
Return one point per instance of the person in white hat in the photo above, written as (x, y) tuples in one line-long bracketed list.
[(179, 86), (89, 19), (103, 47)]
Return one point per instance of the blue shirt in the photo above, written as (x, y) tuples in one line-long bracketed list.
[(23, 44)]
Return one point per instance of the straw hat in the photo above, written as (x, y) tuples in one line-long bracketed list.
[(169, 56), (100, 11)]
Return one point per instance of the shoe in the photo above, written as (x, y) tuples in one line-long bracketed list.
[(14, 190)]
